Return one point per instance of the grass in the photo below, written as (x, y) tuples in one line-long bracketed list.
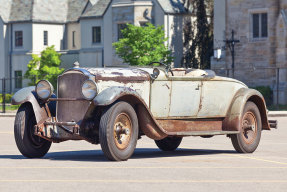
[(275, 108), (9, 107)]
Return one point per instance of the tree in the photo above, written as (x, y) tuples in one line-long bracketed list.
[(143, 45), (198, 35), (47, 66)]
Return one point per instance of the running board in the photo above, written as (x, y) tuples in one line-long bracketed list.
[(206, 133)]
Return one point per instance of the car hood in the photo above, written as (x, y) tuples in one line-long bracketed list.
[(119, 74)]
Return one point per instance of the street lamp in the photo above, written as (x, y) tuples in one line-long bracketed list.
[(231, 44)]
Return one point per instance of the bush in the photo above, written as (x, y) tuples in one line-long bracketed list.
[(8, 98), (47, 66), (267, 94)]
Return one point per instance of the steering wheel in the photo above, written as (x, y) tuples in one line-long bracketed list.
[(167, 67)]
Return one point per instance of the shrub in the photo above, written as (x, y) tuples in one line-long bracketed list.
[(267, 94), (8, 98)]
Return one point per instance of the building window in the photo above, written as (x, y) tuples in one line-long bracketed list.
[(73, 38), (259, 25), (121, 26), (97, 35), (45, 38), (18, 38), (18, 80)]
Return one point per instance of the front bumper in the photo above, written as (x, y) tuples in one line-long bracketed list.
[(55, 131)]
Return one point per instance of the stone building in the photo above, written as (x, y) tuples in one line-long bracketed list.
[(261, 27), (82, 30)]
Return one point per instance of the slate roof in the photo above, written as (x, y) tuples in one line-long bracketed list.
[(173, 6), (55, 11), (62, 11), (98, 9)]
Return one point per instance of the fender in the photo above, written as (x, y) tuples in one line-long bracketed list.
[(147, 124), (234, 115), (28, 95)]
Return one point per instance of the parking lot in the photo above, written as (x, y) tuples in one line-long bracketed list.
[(198, 165)]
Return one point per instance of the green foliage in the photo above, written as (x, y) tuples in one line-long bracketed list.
[(8, 98), (45, 67), (267, 94), (143, 45)]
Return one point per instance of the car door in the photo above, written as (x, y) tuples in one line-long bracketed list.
[(160, 98), (185, 96)]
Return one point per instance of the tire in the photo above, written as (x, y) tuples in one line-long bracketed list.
[(30, 145), (248, 139), (119, 131), (168, 143)]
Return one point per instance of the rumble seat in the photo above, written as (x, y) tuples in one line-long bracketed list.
[(194, 73)]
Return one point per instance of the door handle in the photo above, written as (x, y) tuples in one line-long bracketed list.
[(197, 88)]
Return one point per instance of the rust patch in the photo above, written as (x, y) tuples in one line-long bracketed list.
[(190, 125), (122, 79), (231, 123), (121, 75)]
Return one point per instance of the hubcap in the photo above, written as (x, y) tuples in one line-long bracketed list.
[(122, 131), (249, 127)]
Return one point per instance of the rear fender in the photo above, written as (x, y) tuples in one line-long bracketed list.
[(28, 95), (234, 115)]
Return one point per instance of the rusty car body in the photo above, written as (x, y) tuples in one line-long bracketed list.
[(164, 105)]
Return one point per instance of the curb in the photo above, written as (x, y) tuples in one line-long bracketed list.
[(7, 114)]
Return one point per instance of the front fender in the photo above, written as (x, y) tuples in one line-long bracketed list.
[(110, 95), (28, 95), (234, 115), (148, 125)]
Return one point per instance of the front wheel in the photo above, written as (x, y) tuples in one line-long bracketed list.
[(119, 131), (248, 139), (29, 145), (168, 143)]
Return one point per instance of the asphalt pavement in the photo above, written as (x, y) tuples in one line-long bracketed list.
[(198, 165)]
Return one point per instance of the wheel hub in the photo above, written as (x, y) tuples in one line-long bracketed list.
[(122, 131), (249, 127)]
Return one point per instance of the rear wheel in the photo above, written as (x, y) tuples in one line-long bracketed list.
[(28, 143), (119, 131), (168, 143), (248, 139)]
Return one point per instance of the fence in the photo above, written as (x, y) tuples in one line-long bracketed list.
[(273, 77), (8, 86)]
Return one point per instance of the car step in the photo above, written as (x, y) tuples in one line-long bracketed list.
[(205, 133), (273, 124)]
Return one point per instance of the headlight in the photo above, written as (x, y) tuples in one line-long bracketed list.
[(44, 89), (89, 89)]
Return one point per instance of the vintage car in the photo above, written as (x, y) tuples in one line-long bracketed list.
[(114, 107)]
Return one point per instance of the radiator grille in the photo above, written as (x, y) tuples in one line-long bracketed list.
[(70, 86)]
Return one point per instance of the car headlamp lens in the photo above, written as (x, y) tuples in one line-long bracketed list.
[(89, 89), (44, 89)]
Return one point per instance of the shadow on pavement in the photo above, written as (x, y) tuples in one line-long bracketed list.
[(140, 153)]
